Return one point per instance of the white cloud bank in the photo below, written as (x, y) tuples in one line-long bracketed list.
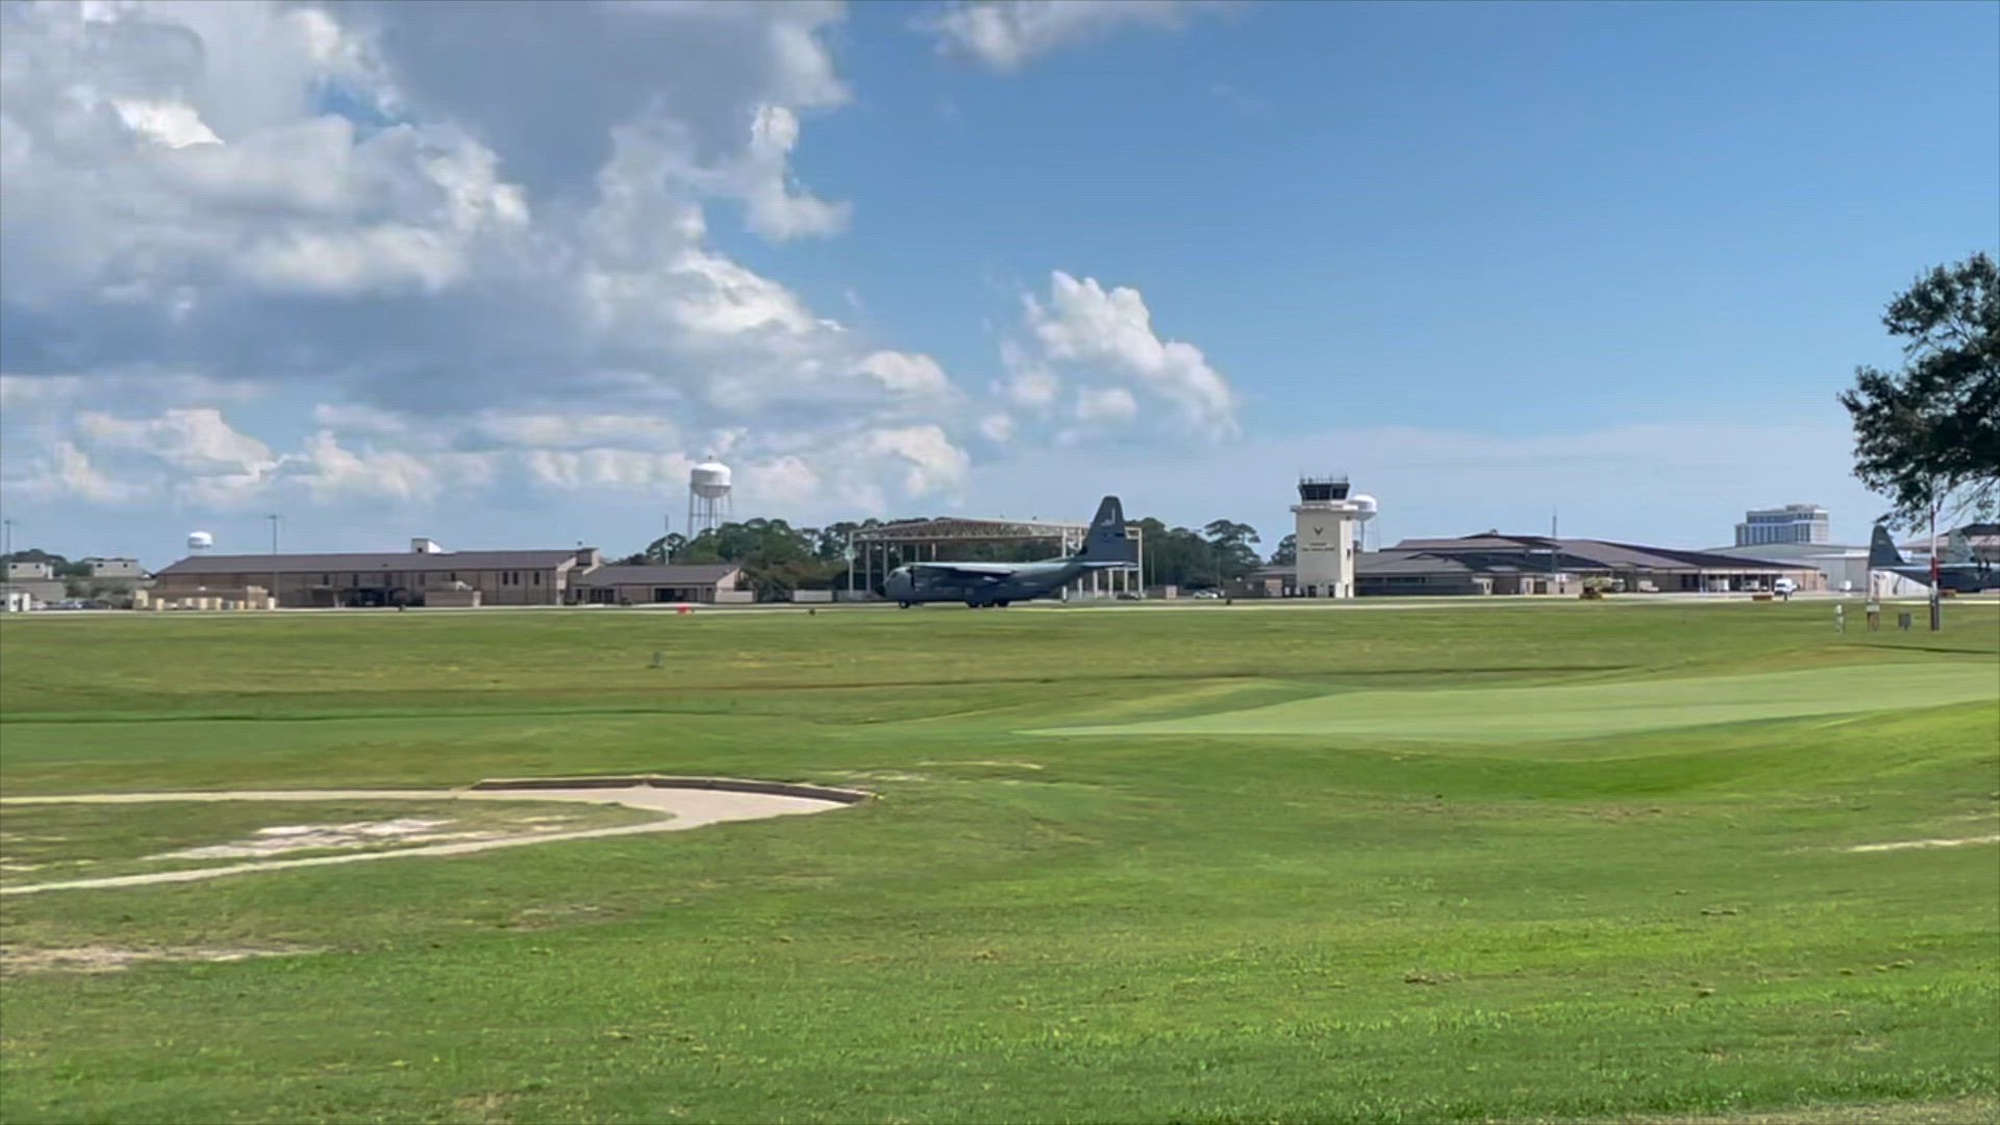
[(462, 277)]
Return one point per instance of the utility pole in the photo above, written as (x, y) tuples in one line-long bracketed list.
[(1142, 560), (8, 548), (273, 517), (1937, 594)]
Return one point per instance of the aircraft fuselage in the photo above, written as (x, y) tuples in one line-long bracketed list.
[(1023, 582), (1960, 578)]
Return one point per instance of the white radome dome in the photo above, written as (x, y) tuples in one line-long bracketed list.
[(1366, 505), (200, 540), (710, 478)]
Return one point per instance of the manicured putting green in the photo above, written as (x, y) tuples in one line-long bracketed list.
[(1591, 710)]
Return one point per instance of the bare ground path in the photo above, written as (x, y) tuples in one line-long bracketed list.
[(680, 809)]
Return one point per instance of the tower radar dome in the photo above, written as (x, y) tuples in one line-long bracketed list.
[(200, 540)]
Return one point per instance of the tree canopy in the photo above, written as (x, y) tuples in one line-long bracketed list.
[(1928, 436), (1220, 552)]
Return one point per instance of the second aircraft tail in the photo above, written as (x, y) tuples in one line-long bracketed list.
[(1106, 545), (1882, 552)]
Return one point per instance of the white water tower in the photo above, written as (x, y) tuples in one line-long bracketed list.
[(1366, 509), (199, 541), (708, 497)]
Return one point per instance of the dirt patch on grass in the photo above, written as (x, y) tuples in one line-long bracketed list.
[(684, 804), (1905, 845), (279, 839), (1954, 1111), (19, 960)]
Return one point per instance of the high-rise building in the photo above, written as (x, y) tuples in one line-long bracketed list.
[(1793, 523)]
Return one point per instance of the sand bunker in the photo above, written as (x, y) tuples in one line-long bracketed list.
[(683, 803)]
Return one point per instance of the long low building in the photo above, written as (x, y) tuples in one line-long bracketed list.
[(429, 575), (1491, 563), (642, 585)]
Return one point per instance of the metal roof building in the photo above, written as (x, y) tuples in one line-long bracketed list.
[(642, 585), (424, 575), (1491, 563)]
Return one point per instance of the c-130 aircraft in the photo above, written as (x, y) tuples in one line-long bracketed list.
[(996, 584), (1956, 569)]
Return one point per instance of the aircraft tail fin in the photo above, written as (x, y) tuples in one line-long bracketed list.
[(1106, 542), (1882, 552), (1957, 551)]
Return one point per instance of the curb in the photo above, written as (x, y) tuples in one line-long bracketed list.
[(664, 781)]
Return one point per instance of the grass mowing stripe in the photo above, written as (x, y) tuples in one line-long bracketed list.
[(1592, 710)]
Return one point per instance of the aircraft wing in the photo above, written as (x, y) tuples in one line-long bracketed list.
[(985, 572)]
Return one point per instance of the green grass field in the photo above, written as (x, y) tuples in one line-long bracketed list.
[(1572, 861)]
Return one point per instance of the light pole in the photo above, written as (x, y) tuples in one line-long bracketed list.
[(8, 547)]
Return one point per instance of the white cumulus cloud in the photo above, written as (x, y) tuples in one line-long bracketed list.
[(1111, 331), (1106, 404), (906, 373), (208, 204), (197, 441), (1006, 34)]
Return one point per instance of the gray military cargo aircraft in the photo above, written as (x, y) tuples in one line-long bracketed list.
[(1956, 569), (979, 584)]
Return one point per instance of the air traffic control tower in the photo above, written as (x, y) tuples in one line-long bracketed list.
[(1326, 537)]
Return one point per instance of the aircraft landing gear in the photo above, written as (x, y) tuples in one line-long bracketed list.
[(1002, 605), (904, 605)]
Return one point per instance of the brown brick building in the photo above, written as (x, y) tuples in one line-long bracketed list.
[(429, 575), (412, 578)]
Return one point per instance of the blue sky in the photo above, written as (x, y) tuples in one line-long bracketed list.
[(898, 259)]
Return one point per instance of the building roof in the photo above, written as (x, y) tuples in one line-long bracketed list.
[(954, 528), (1807, 554), (370, 562), (711, 574), (1392, 562), (1978, 536), (1491, 551)]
